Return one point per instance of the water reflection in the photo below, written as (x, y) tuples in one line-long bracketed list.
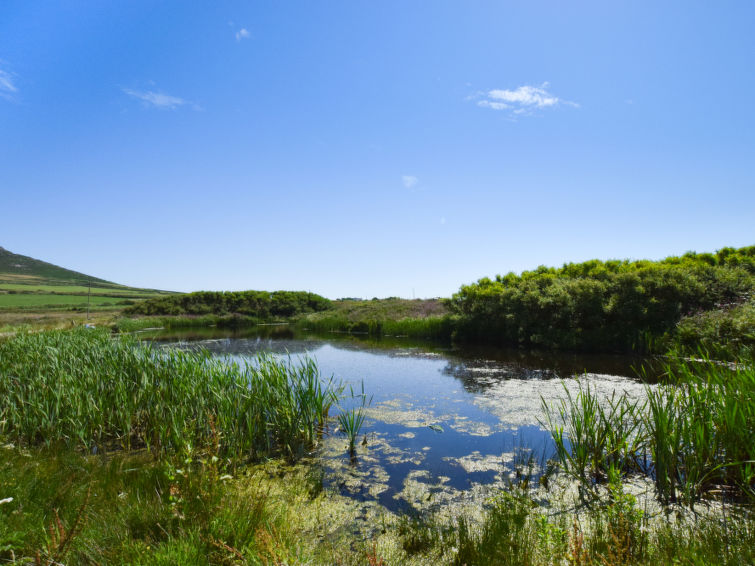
[(446, 424)]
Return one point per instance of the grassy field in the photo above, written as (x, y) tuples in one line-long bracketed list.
[(77, 290), (54, 301), (37, 293)]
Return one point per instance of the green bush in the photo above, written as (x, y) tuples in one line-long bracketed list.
[(260, 304), (596, 305)]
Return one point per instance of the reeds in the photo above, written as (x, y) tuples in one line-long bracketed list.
[(596, 439), (85, 389), (700, 429), (692, 435), (351, 420)]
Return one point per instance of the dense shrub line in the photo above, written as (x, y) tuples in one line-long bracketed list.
[(602, 305), (260, 304)]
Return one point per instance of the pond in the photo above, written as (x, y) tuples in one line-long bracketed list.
[(445, 425)]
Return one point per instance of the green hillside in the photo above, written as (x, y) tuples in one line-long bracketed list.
[(21, 269), (30, 286)]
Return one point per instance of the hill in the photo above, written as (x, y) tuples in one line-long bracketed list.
[(31, 287), (21, 269)]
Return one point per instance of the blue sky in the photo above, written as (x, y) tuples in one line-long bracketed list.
[(371, 148)]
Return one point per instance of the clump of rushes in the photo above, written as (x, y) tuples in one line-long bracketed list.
[(84, 389), (700, 429), (693, 435), (596, 438), (351, 420)]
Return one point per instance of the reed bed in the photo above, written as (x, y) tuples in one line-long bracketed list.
[(597, 439), (85, 389), (693, 434)]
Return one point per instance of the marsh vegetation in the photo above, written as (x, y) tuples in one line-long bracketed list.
[(242, 449), (611, 305), (118, 451), (599, 306)]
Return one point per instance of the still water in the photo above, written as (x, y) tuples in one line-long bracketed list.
[(444, 424)]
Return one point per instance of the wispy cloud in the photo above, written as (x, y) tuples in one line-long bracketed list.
[(7, 86), (410, 181), (243, 33), (521, 100), (155, 99)]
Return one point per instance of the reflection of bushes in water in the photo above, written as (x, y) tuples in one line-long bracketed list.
[(431, 327), (176, 322), (595, 305), (693, 435), (479, 375)]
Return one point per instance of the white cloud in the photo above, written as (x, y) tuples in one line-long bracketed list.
[(521, 100), (157, 99), (7, 88), (243, 33), (493, 105), (410, 181)]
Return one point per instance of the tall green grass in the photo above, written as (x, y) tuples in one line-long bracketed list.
[(616, 532), (596, 439), (133, 508), (693, 435), (84, 389), (351, 420), (700, 429)]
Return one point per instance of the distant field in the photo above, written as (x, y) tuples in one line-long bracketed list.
[(37, 293), (41, 300), (77, 290)]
